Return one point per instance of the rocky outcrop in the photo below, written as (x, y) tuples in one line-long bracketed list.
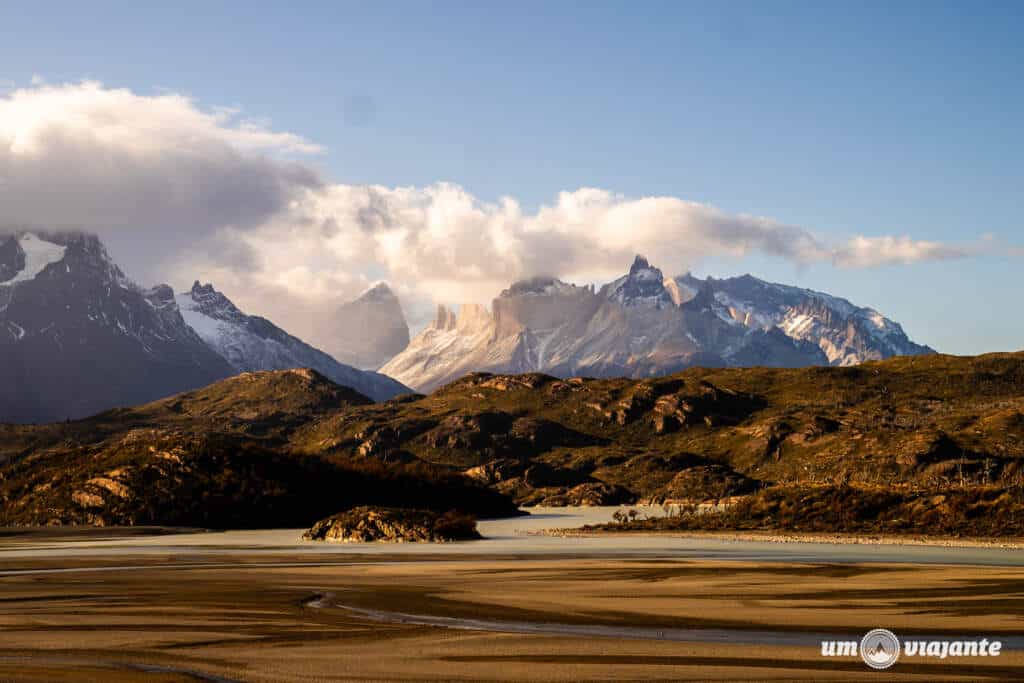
[(711, 482), (589, 494), (393, 525)]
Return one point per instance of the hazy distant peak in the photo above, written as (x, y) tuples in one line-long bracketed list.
[(251, 343), (378, 292), (367, 331)]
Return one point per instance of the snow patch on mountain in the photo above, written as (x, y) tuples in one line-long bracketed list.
[(38, 254), (642, 324), (251, 343), (644, 285), (78, 337), (846, 333)]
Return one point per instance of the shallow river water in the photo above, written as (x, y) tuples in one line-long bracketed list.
[(514, 537)]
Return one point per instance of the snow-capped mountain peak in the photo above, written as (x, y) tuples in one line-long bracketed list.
[(251, 343), (77, 337), (644, 285), (211, 303), (847, 334), (26, 257), (642, 324)]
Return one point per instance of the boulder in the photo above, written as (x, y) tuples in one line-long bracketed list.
[(393, 525), (589, 494)]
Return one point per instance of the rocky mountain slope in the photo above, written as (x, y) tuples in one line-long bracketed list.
[(368, 331), (916, 420), (217, 457), (642, 325), (77, 337), (845, 333), (252, 343), (914, 423)]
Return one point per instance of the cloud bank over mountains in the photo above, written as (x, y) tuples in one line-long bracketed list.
[(182, 192)]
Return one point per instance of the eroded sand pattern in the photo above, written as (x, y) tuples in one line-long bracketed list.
[(159, 608)]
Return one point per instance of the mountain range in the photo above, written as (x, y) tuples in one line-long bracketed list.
[(933, 443), (644, 324), (78, 337), (251, 343)]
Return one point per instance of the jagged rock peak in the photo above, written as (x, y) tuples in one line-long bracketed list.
[(67, 311), (444, 319), (644, 325), (201, 291), (210, 302), (644, 285), (25, 256), (640, 263), (470, 316), (161, 297)]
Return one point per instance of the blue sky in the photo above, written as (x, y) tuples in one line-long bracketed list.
[(867, 118)]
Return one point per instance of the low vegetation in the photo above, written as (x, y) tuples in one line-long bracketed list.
[(263, 448), (976, 511)]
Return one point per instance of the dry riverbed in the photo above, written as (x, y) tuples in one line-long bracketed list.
[(269, 615)]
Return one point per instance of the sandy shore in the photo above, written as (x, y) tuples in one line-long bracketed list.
[(286, 616), (800, 537)]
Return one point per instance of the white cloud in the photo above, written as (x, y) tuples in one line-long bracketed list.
[(182, 192), (868, 252), (157, 171), (440, 243)]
